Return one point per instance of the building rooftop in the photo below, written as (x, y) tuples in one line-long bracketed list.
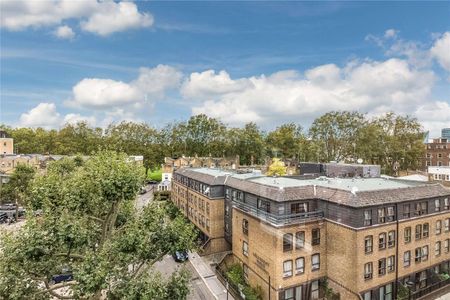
[(347, 191), (347, 184)]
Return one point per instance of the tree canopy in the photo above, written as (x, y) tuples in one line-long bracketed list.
[(334, 136), (89, 226)]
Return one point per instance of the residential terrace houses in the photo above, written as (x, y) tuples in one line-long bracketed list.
[(363, 236)]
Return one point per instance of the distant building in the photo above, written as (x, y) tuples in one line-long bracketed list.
[(437, 153), (339, 170), (172, 164), (445, 133), (6, 144), (441, 174)]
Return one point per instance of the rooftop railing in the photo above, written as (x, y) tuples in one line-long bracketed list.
[(279, 220)]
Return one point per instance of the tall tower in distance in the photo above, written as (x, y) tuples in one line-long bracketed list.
[(445, 133), (6, 144)]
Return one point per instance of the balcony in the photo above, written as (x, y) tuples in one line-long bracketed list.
[(279, 220)]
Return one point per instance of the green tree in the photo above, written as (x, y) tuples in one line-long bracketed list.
[(335, 135), (18, 185), (286, 141), (89, 226)]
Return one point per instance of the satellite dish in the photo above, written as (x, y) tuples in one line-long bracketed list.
[(359, 161)]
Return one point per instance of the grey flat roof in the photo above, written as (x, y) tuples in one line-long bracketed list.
[(348, 184)]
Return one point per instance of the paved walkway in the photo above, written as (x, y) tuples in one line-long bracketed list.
[(209, 277)]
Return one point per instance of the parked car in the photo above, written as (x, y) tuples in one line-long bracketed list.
[(66, 275), (180, 256), (8, 206), (3, 217), (142, 191)]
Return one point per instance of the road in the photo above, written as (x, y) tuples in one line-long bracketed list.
[(167, 265)]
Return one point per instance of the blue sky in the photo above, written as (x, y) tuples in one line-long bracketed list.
[(269, 62)]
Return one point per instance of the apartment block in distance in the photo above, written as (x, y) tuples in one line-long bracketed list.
[(437, 153), (362, 237)]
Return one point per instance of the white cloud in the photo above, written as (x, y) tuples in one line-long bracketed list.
[(150, 86), (114, 17), (64, 32), (441, 50), (415, 52), (365, 86), (75, 118), (208, 84), (104, 93), (43, 115), (99, 17), (434, 116), (390, 33)]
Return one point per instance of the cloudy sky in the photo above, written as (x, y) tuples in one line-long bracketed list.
[(268, 62)]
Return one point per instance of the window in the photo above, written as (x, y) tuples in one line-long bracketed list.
[(391, 238), (437, 248), (407, 234), (446, 245), (390, 214), (289, 294), (381, 215), (367, 295), (263, 205), (385, 292), (418, 256), (426, 230), (315, 261), (407, 259), (418, 231), (227, 210), (421, 279), (287, 242), (406, 211), (421, 208), (424, 253), (368, 270), (315, 290), (316, 236), (245, 226), (447, 225), (245, 248), (300, 265), (368, 244), (438, 226), (299, 239), (446, 203), (298, 208), (287, 268), (391, 263), (382, 241), (437, 205), (245, 269), (367, 217), (227, 228), (382, 267)]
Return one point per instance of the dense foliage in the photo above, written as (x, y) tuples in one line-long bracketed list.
[(334, 136), (89, 226)]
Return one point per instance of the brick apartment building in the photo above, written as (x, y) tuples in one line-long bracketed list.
[(437, 153), (363, 236)]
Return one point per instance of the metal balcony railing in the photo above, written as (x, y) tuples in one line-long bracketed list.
[(279, 220)]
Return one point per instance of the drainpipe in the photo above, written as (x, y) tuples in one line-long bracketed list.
[(397, 259), (269, 287)]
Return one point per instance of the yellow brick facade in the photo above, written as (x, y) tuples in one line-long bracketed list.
[(6, 146)]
